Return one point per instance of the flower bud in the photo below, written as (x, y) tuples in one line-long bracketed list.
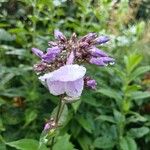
[(59, 35), (101, 40)]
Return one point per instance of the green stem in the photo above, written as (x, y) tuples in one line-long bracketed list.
[(58, 115), (58, 111)]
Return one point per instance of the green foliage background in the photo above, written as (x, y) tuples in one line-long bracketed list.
[(116, 115)]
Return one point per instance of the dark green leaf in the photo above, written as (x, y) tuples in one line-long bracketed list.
[(104, 142), (139, 132), (106, 118)]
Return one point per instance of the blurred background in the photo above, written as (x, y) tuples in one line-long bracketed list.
[(116, 115)]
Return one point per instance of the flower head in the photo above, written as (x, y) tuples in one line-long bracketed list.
[(58, 66)]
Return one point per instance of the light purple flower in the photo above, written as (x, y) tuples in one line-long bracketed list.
[(91, 84), (37, 52), (47, 126), (94, 51), (67, 79), (89, 37), (101, 61), (59, 35), (51, 54), (101, 40)]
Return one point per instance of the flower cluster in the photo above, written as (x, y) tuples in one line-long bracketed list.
[(60, 65)]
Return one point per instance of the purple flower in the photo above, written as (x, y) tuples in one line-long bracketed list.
[(101, 40), (89, 37), (59, 35), (67, 79), (51, 54), (91, 84), (37, 52), (97, 52), (101, 61)]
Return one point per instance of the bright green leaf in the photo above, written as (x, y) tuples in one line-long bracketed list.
[(26, 144), (138, 72)]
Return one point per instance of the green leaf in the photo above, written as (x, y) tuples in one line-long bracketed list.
[(76, 105), (84, 123), (2, 102), (106, 118), (131, 88), (63, 143), (135, 118), (110, 93), (6, 36), (127, 143), (118, 116), (140, 95), (30, 115), (132, 61), (63, 116), (26, 144), (85, 142), (138, 132), (2, 146), (104, 142), (138, 72), (2, 128)]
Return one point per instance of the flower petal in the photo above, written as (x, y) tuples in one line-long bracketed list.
[(68, 73), (44, 78), (74, 88), (56, 87)]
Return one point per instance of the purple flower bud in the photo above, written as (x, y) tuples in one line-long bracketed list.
[(101, 61), (51, 54), (37, 52), (70, 59), (97, 52), (47, 126), (91, 84), (59, 35), (89, 37), (101, 40)]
